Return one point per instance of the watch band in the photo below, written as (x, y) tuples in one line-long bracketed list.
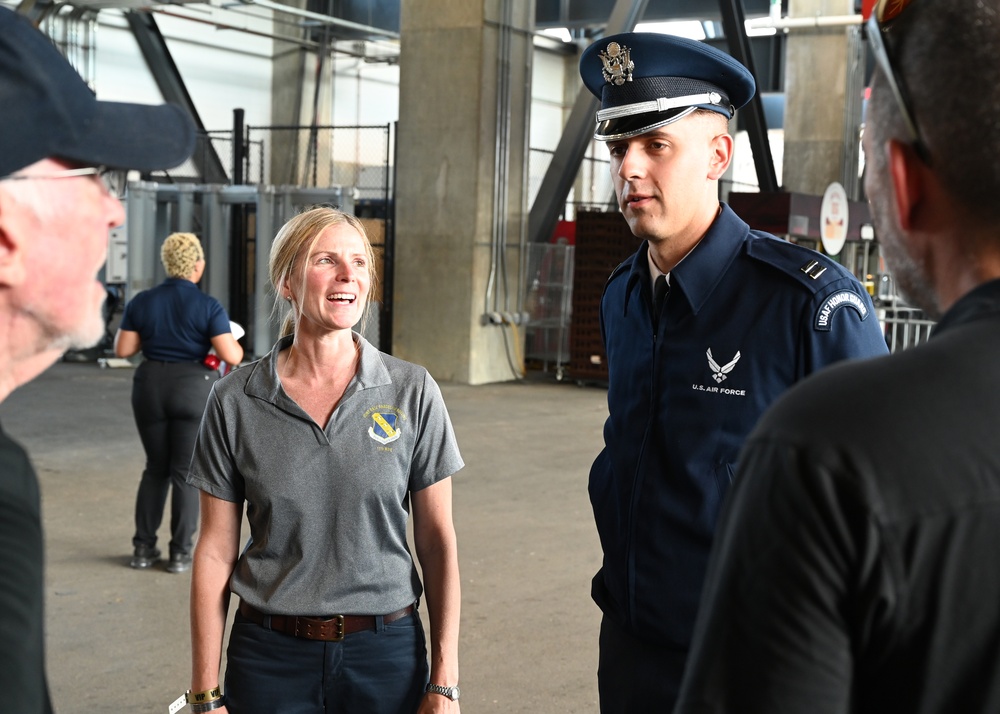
[(451, 692)]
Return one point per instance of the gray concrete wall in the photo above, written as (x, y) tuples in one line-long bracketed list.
[(815, 85), (446, 170), (295, 103)]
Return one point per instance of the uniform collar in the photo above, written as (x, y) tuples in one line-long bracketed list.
[(982, 301), (701, 270)]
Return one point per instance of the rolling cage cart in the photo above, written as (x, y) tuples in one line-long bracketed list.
[(549, 305)]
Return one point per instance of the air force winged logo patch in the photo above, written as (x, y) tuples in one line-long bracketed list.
[(844, 298), (384, 429), (719, 372)]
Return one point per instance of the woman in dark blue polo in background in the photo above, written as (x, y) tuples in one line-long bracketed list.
[(175, 325)]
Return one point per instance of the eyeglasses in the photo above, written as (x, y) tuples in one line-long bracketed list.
[(114, 180), (879, 29)]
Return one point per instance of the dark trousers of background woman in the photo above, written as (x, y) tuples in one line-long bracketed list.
[(168, 401)]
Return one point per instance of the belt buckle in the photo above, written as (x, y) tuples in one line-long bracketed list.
[(316, 629), (338, 634)]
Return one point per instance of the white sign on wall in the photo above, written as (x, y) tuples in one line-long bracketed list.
[(833, 215)]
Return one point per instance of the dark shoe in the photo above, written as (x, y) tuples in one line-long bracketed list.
[(179, 563), (144, 556)]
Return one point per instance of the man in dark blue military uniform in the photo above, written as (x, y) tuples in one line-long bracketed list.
[(738, 317)]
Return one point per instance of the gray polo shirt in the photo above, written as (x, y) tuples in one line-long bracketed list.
[(327, 507)]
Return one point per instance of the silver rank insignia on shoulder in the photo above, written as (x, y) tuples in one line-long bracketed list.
[(618, 64), (813, 269)]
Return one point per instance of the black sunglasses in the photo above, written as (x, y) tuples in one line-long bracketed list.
[(879, 31)]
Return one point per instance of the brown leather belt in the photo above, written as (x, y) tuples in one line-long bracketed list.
[(327, 629)]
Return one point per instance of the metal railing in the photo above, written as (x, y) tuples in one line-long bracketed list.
[(904, 326)]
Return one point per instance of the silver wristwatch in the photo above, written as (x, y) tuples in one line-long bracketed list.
[(451, 692)]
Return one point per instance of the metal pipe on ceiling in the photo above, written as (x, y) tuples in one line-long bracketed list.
[(799, 23), (308, 44), (324, 19), (391, 56)]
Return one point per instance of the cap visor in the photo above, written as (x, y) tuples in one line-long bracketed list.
[(133, 136), (627, 127)]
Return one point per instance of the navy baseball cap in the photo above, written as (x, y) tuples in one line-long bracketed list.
[(647, 80), (49, 112)]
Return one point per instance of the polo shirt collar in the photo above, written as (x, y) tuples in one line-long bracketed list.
[(372, 371), (698, 274), (263, 382), (180, 282)]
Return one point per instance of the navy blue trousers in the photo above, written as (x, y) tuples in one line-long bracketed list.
[(168, 402), (635, 676), (373, 672)]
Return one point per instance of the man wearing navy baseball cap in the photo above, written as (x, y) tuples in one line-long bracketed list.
[(704, 326), (58, 150)]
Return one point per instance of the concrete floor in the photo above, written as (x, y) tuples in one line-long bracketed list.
[(118, 638)]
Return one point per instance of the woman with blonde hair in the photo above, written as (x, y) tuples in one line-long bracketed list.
[(331, 444), (174, 325)]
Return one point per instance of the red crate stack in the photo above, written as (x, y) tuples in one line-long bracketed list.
[(603, 240)]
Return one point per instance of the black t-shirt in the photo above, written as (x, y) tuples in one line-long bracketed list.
[(856, 566), (23, 687)]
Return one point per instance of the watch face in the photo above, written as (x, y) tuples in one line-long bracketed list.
[(451, 692)]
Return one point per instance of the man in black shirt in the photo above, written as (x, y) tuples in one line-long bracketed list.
[(856, 568), (57, 202)]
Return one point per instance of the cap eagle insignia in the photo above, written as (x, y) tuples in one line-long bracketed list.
[(618, 64), (719, 373)]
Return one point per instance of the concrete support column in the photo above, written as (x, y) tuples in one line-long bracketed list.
[(815, 91), (464, 98), (298, 101)]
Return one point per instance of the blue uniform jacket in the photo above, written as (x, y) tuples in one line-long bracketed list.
[(747, 316)]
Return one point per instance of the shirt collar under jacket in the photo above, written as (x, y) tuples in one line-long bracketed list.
[(264, 383), (654, 272), (702, 268), (981, 302)]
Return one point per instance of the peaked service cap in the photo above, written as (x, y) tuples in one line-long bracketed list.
[(647, 80), (49, 112)]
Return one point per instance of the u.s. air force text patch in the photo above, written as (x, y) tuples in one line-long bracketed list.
[(720, 373), (845, 298)]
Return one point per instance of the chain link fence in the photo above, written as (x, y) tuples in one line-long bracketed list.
[(356, 159), (355, 156)]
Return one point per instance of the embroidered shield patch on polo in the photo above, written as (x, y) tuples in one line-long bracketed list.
[(383, 429)]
